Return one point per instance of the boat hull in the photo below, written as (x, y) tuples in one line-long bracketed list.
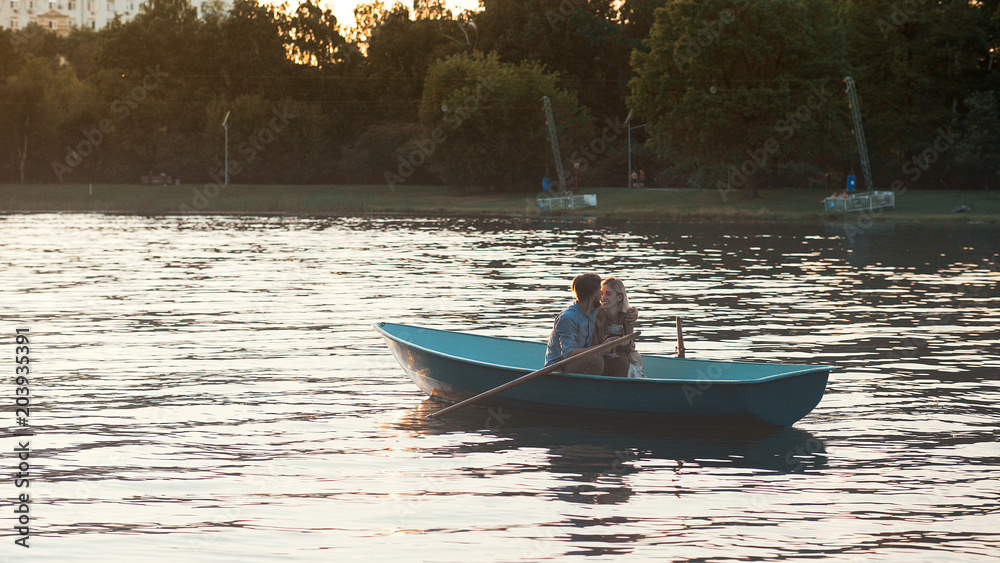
[(677, 391)]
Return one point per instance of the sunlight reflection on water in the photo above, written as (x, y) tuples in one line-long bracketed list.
[(210, 388)]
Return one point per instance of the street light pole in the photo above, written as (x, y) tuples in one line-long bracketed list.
[(628, 125), (225, 125)]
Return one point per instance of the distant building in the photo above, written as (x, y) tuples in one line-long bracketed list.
[(62, 15), (54, 21)]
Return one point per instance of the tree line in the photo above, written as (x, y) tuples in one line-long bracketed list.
[(729, 95)]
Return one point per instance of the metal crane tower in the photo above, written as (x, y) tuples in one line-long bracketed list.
[(859, 132), (550, 120)]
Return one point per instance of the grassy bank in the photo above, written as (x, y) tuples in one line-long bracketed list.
[(618, 203)]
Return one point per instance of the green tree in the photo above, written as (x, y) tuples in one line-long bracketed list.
[(314, 37), (50, 113), (252, 56), (47, 99), (377, 150), (485, 126), (164, 32), (583, 41), (23, 94), (156, 72), (918, 64), (637, 17), (10, 63), (733, 89), (978, 150), (400, 50)]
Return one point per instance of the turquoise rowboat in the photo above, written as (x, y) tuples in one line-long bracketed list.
[(453, 366)]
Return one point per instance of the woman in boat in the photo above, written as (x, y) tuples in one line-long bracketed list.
[(614, 319)]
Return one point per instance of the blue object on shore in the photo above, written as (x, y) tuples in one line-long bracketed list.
[(546, 184), (453, 366)]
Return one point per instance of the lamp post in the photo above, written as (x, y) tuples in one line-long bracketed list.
[(225, 125), (628, 125)]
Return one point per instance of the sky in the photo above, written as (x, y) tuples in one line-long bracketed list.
[(344, 9)]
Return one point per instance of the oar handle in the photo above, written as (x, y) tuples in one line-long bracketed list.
[(680, 339), (535, 374)]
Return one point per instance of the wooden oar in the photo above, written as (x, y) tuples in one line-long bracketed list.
[(680, 339), (534, 375)]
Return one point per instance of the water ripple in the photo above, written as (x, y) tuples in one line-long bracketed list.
[(210, 388)]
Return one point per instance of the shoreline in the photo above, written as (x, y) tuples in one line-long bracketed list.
[(789, 205)]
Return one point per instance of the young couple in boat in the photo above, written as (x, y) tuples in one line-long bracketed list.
[(601, 313)]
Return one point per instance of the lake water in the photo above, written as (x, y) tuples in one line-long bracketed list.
[(210, 389)]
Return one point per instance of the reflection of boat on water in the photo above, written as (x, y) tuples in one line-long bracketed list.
[(589, 450), (454, 366)]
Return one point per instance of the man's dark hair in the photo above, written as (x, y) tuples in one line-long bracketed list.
[(585, 286)]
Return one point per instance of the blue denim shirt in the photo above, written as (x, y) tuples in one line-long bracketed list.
[(573, 329)]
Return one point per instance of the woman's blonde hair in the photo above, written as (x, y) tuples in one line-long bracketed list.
[(619, 287)]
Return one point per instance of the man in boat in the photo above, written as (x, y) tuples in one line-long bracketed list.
[(573, 331)]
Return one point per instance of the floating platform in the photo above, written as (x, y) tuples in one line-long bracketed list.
[(568, 202), (859, 202)]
